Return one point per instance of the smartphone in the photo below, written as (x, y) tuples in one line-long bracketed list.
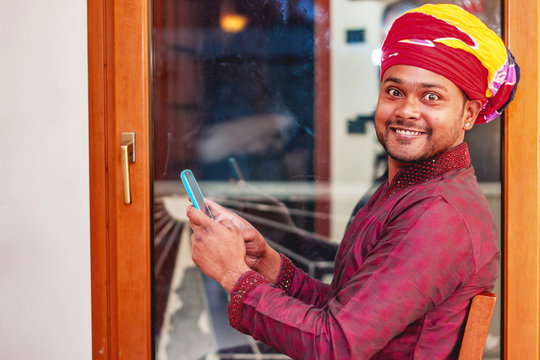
[(194, 192)]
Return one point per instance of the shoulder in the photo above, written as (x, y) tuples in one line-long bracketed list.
[(452, 206), (457, 190), (456, 195)]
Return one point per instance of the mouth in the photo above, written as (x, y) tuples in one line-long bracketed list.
[(408, 132)]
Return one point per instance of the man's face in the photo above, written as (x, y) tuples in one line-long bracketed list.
[(420, 114)]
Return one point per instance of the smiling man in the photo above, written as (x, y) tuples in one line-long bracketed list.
[(420, 114), (424, 244)]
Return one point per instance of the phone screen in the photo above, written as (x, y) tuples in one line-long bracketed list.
[(194, 192)]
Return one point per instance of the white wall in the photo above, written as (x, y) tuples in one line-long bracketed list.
[(354, 91), (44, 207)]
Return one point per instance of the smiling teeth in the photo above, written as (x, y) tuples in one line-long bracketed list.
[(407, 132)]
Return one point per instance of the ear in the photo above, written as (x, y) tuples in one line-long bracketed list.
[(470, 112)]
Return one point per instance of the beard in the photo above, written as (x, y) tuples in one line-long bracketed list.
[(400, 151), (411, 150)]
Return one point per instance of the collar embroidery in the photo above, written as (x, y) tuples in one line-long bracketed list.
[(453, 159)]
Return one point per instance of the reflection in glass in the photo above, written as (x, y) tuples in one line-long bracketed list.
[(270, 104)]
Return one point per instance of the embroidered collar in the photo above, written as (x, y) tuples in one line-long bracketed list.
[(453, 159)]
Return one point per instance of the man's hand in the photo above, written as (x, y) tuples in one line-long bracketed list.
[(218, 250), (259, 256)]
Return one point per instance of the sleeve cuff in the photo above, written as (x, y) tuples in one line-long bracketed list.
[(245, 284), (286, 275)]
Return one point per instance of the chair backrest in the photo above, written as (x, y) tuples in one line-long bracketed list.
[(476, 329)]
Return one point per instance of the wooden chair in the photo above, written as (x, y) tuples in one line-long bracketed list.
[(476, 329)]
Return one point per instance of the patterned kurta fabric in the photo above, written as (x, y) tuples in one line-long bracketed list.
[(406, 270)]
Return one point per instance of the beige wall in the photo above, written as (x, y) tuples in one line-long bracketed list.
[(44, 216)]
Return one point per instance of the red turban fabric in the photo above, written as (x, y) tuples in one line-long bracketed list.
[(451, 42)]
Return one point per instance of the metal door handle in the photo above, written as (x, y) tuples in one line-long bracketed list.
[(127, 153)]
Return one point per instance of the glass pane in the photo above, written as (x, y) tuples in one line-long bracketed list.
[(262, 100)]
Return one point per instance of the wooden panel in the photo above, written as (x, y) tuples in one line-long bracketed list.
[(322, 114), (133, 261), (97, 99), (322, 89), (120, 239), (521, 179)]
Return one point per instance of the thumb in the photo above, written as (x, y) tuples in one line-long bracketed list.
[(229, 225)]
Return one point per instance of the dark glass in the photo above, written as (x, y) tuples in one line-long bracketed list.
[(237, 88)]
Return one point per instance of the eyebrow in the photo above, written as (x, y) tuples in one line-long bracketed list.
[(421, 84)]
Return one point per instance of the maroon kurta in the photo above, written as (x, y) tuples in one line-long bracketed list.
[(405, 273)]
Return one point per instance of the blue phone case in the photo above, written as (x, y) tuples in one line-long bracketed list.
[(194, 192)]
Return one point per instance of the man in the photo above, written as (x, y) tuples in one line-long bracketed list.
[(422, 246)]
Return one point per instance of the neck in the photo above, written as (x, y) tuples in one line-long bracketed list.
[(393, 168), (395, 165), (403, 175)]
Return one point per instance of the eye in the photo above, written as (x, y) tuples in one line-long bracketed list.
[(393, 92), (431, 97)]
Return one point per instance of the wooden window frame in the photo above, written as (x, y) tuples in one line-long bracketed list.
[(119, 82), (521, 159)]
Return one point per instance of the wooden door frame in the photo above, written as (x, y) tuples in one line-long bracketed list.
[(119, 84), (521, 159), (119, 88)]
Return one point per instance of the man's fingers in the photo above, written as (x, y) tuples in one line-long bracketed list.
[(201, 223), (214, 207), (230, 225), (197, 219), (219, 212)]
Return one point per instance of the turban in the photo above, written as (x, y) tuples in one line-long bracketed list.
[(451, 42)]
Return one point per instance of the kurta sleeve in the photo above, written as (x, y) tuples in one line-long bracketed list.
[(296, 283), (422, 256), (291, 280)]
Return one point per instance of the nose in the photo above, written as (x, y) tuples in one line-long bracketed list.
[(408, 108)]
